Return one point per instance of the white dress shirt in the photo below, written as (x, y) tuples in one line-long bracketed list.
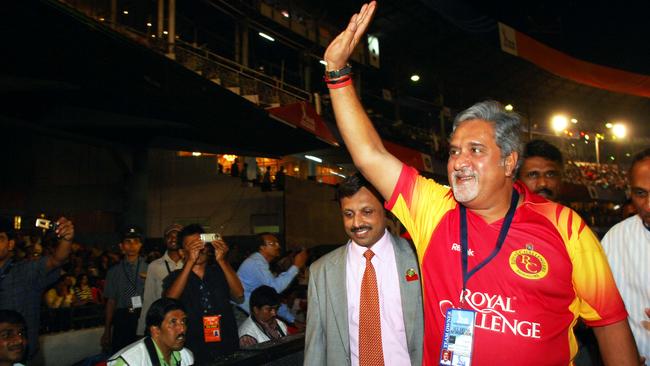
[(627, 246)]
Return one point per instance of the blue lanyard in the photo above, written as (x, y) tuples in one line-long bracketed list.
[(502, 237)]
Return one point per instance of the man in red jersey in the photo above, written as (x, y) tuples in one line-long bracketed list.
[(513, 270)]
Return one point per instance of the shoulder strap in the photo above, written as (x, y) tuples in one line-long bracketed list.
[(151, 349)]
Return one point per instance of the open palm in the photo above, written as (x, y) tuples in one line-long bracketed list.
[(339, 50)]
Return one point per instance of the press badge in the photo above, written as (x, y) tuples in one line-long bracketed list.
[(212, 328), (136, 302), (458, 338)]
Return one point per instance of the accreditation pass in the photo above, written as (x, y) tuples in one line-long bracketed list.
[(458, 338)]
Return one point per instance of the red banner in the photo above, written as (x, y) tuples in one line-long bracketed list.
[(408, 156), (303, 115), (563, 65)]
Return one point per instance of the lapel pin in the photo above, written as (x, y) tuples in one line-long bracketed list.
[(411, 275)]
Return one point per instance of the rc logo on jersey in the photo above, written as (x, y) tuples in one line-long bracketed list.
[(528, 264)]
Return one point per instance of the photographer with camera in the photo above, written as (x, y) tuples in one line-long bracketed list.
[(22, 283), (204, 288)]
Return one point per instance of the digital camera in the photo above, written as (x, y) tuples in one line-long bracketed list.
[(210, 237), (46, 224)]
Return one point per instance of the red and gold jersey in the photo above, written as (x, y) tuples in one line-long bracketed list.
[(550, 271)]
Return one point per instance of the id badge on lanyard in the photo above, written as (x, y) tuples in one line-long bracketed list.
[(458, 338), (212, 328), (136, 302)]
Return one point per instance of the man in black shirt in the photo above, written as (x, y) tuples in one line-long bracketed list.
[(205, 290)]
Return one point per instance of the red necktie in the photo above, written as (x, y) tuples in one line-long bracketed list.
[(370, 349)]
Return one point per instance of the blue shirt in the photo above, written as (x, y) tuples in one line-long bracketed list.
[(254, 272), (21, 287)]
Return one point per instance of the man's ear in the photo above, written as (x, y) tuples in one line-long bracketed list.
[(510, 163), (154, 331), (11, 244)]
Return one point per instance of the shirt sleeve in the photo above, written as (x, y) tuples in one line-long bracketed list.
[(257, 274), (152, 292), (285, 313), (110, 288), (600, 303), (152, 287), (246, 340), (169, 280), (43, 277), (419, 203)]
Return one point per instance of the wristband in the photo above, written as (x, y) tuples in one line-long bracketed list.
[(346, 70), (339, 80), (346, 82)]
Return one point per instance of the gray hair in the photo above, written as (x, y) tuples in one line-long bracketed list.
[(507, 126)]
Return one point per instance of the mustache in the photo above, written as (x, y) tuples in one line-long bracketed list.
[(463, 173), (545, 191), (360, 228)]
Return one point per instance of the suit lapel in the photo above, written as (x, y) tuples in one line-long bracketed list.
[(407, 291), (337, 293)]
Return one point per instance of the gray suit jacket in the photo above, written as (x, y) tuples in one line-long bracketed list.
[(326, 340)]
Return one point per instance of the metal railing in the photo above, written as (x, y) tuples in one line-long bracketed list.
[(76, 317), (259, 88), (228, 73)]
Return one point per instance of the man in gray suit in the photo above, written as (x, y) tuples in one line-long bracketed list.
[(333, 336)]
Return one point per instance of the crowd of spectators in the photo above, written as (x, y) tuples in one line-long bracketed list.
[(605, 176), (76, 299)]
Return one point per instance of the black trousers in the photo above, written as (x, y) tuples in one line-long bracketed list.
[(125, 323)]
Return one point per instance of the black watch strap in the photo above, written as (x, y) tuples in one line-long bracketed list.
[(338, 73)]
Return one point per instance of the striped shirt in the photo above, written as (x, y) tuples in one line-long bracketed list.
[(627, 246), (125, 280)]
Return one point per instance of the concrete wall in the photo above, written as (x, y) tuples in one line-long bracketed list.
[(312, 215), (67, 348), (189, 190)]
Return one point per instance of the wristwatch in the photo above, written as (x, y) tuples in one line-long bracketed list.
[(346, 70)]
